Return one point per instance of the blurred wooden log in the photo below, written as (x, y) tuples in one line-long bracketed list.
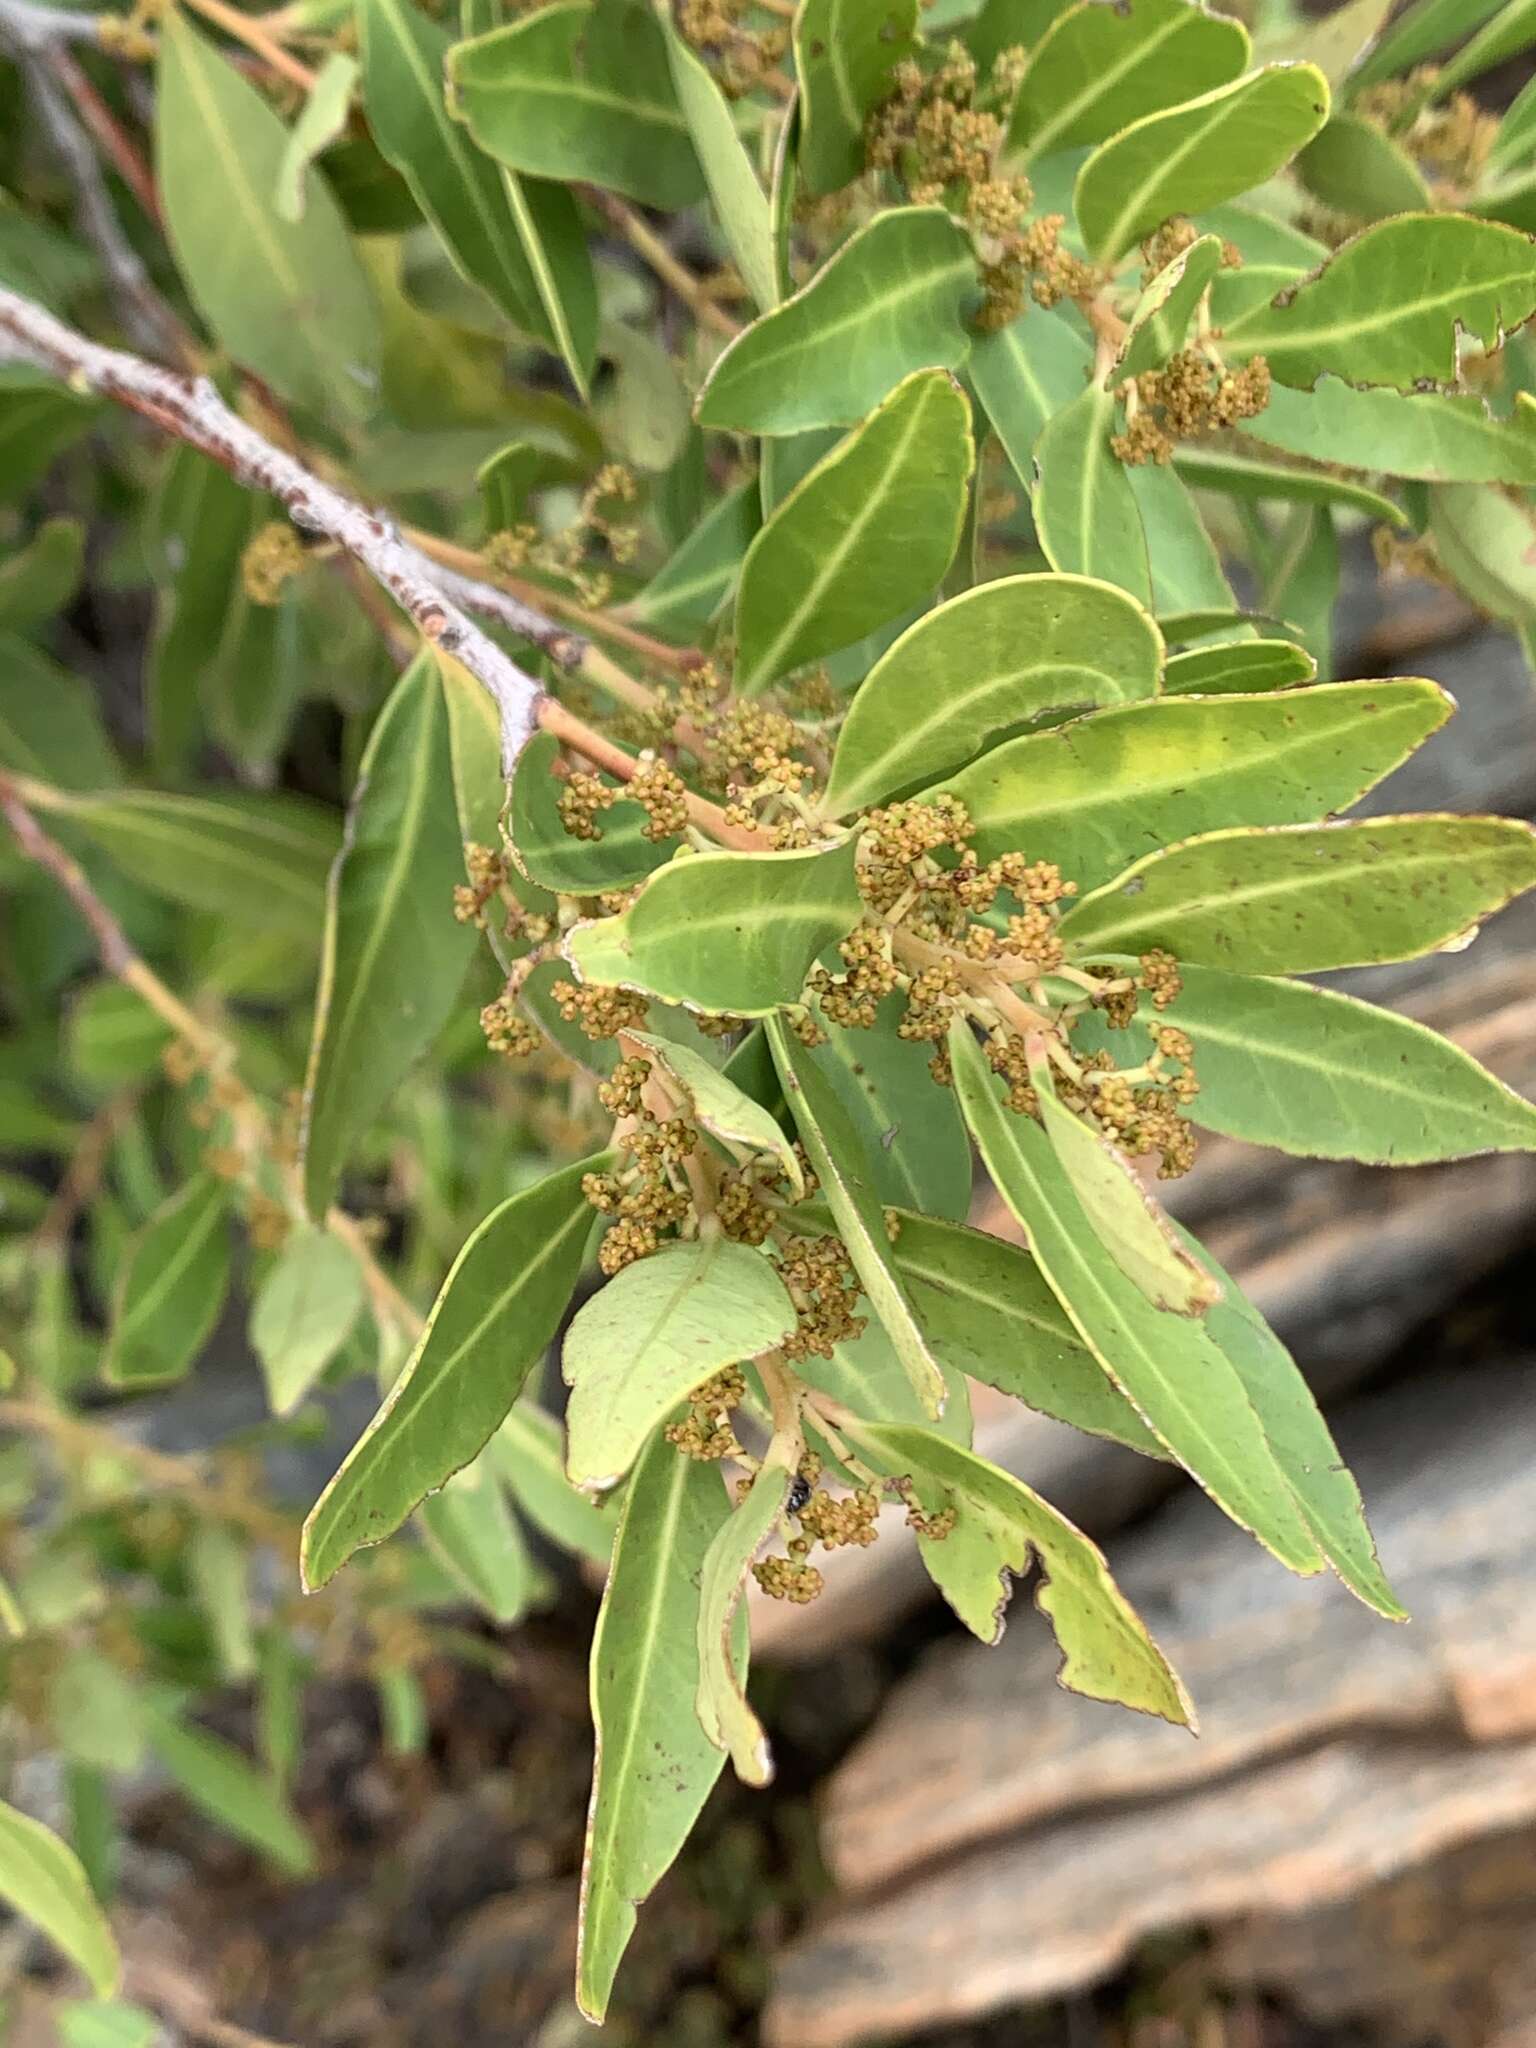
[(1026, 1840)]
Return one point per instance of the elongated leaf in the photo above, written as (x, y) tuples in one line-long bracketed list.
[(911, 1137), (39, 419), (1301, 580), (1167, 1365), (41, 1878), (1085, 510), (1360, 171), (1096, 794), (584, 92), (1024, 650), (1301, 1440), (832, 1144), (658, 1330), (702, 572), (894, 299), (1485, 539), (171, 1288), (732, 932), (1166, 307), (1511, 30), (720, 1106), (1442, 437), (845, 51), (218, 1779), (865, 1374), (740, 203), (1024, 374), (1311, 1071), (1239, 476), (1002, 1526), (548, 854), (1388, 306), (655, 1766), (1418, 32), (1299, 898), (303, 1313), (1098, 68), (1186, 570), (472, 1533), (250, 858), (321, 120), (496, 1313), (39, 579), (988, 1313), (721, 1702), (1237, 667), (287, 298), (1517, 131), (554, 242), (529, 1450), (1193, 156), (394, 955)]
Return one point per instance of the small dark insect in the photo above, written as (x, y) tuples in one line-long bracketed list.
[(799, 1494)]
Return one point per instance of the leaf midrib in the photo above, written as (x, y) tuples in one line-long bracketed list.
[(1105, 82)]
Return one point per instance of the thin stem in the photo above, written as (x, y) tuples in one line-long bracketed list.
[(249, 29), (604, 753), (671, 270), (28, 27), (111, 138)]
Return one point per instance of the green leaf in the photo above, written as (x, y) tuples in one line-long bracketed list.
[(394, 955), (94, 2025), (50, 723), (1298, 898), (495, 1315), (1511, 31), (1418, 32), (845, 51), (1485, 538), (642, 409), (655, 1766), (730, 932), (1193, 156), (550, 856), (554, 241), (1024, 374), (740, 203), (1311, 1071), (1239, 476), (701, 573), (529, 1450), (171, 1288), (580, 92), (1361, 172), (1303, 1444), (1186, 570), (37, 581), (1517, 130), (1442, 437), (988, 1313), (1336, 42), (865, 1374), (218, 1780), (41, 1879), (1302, 580), (1165, 1364), (474, 210), (251, 858), (1001, 1527), (892, 300), (1098, 68), (303, 1313), (289, 299), (1388, 307), (720, 1106), (1099, 793), (832, 1144), (1085, 510), (114, 1037), (1128, 1223), (473, 1534), (322, 120), (1021, 651), (1166, 306), (659, 1329), (910, 1134), (95, 1711), (1237, 667), (721, 1700), (219, 1571)]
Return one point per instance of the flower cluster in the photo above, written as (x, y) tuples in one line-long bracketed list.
[(823, 1286), (273, 556), (1191, 395), (739, 57), (601, 1011), (656, 787), (566, 554), (707, 1431)]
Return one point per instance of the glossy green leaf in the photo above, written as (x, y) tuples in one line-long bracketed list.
[(1166, 306), (472, 1533), (1240, 476), (1085, 511), (684, 596), (38, 580), (303, 1313), (1511, 31), (909, 1131), (1021, 651), (732, 932), (41, 1878), (655, 1766), (495, 1315), (289, 299), (658, 1330), (550, 856), (722, 1108), (1337, 41), (1165, 1364), (832, 1144), (1099, 68), (1102, 791), (529, 1452), (1361, 172), (394, 955), (1300, 898), (721, 1701), (554, 241), (1442, 437), (1022, 375), (1237, 667), (219, 1780), (740, 203), (582, 92), (1186, 569), (1419, 32), (1002, 1526), (892, 300), (322, 119), (1192, 156), (1388, 307), (845, 51), (171, 1288), (865, 1374), (1517, 130)]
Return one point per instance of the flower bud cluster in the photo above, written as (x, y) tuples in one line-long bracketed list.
[(1191, 395)]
